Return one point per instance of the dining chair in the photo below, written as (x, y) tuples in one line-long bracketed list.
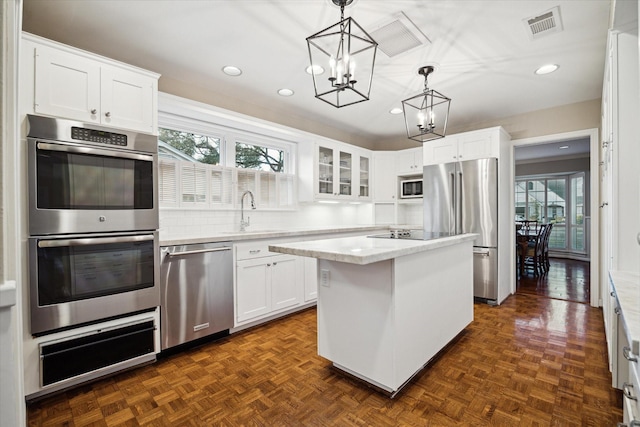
[(534, 256), (545, 247)]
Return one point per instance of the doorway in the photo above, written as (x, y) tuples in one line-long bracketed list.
[(559, 200)]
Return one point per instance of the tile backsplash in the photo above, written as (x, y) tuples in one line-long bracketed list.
[(186, 223)]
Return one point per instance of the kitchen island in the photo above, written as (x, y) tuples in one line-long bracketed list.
[(386, 307)]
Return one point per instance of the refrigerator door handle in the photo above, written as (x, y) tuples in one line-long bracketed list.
[(453, 212), (458, 198)]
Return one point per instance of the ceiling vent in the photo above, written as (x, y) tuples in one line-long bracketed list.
[(548, 23), (398, 36)]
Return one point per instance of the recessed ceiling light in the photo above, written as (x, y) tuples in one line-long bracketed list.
[(314, 69), (546, 69), (285, 92), (563, 147), (396, 110), (230, 70)]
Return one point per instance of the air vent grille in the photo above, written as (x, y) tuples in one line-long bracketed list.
[(547, 23), (398, 36)]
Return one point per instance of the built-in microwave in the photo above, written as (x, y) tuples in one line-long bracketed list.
[(410, 188), (89, 179)]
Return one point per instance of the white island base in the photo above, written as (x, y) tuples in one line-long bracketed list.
[(383, 322)]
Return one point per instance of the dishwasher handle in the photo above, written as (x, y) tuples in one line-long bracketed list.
[(200, 251)]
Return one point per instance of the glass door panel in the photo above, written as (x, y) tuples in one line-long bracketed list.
[(556, 211), (345, 173), (325, 170), (364, 176)]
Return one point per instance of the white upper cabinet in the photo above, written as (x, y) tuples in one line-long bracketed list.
[(385, 178), (409, 162), (73, 84), (342, 172), (465, 146)]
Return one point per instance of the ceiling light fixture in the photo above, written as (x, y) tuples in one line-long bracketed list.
[(285, 92), (547, 69), (314, 70), (230, 70), (395, 110), (563, 147), (340, 47), (426, 114)]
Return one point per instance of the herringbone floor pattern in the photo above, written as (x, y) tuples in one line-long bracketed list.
[(530, 362)]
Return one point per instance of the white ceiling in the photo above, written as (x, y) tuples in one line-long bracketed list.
[(484, 56), (553, 150)]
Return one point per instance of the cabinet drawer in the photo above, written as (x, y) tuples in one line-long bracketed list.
[(631, 392), (253, 250)]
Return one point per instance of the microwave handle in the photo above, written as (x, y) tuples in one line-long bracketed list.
[(94, 151), (92, 241)]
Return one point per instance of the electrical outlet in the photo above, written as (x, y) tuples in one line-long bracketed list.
[(324, 278)]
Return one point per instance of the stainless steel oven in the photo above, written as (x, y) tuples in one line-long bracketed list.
[(86, 179), (78, 279)]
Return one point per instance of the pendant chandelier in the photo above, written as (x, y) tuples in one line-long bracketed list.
[(347, 54), (426, 115)]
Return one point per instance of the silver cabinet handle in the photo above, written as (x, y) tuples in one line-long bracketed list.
[(94, 111), (268, 265), (617, 310), (604, 204), (254, 251), (613, 294), (107, 114), (626, 352), (71, 148), (626, 390), (275, 263), (199, 251)]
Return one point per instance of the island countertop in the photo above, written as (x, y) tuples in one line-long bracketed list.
[(365, 250)]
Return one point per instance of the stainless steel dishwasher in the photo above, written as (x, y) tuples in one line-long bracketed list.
[(196, 282)]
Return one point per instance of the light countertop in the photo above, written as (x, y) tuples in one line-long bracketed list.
[(364, 250), (250, 234), (627, 286)]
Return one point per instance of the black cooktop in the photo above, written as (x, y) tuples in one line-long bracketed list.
[(412, 235)]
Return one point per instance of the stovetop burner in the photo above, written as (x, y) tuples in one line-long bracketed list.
[(407, 234)]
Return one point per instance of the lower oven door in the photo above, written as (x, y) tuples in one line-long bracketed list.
[(80, 279)]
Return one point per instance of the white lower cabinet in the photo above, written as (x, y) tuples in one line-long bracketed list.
[(266, 283), (310, 279)]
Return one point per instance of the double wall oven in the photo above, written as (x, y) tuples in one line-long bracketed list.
[(93, 238)]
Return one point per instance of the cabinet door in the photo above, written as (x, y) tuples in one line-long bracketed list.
[(253, 290), (310, 279), (440, 151), (127, 99), (286, 281), (364, 175), (345, 173), (476, 146), (67, 85), (409, 162), (325, 183), (384, 177)]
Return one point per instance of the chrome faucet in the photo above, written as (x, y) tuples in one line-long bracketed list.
[(244, 224)]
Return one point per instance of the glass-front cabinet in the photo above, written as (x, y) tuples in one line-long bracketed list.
[(341, 173)]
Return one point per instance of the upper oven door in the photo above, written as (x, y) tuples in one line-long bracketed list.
[(76, 188)]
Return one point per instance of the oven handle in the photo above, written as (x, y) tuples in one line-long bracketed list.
[(92, 241), (95, 151)]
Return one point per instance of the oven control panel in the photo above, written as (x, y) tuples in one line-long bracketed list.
[(99, 136)]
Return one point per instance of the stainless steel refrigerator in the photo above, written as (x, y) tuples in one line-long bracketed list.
[(462, 197)]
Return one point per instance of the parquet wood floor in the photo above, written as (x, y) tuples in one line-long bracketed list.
[(530, 362), (566, 279)]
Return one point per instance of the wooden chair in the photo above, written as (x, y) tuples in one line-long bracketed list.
[(534, 255), (545, 247)]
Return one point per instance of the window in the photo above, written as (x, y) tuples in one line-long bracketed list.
[(206, 165), (188, 146), (558, 200), (259, 157)]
